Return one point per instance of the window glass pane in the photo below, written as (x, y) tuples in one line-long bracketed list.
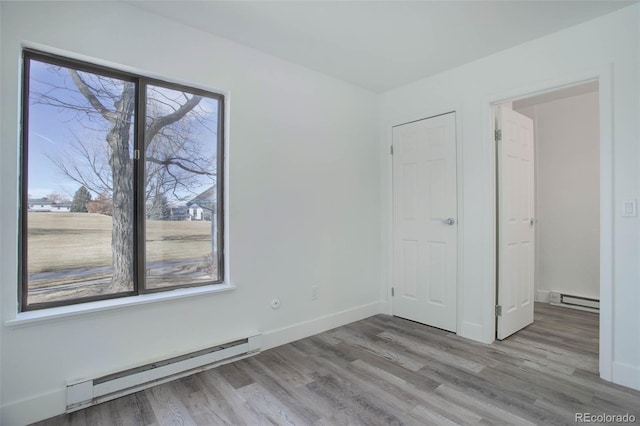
[(181, 143), (79, 184)]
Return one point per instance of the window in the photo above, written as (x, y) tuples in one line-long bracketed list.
[(117, 162)]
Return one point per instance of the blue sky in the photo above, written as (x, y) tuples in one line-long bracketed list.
[(49, 132), (54, 130)]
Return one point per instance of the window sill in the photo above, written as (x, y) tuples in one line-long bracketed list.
[(42, 315)]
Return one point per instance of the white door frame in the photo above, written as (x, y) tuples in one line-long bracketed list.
[(444, 109), (604, 76)]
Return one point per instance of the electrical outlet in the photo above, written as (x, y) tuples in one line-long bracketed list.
[(629, 208), (314, 292)]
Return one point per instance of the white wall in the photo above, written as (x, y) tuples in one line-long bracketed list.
[(304, 203), (567, 142), (1, 236), (606, 47)]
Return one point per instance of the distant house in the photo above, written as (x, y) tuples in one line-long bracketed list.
[(63, 207), (179, 213), (203, 206), (196, 212), (170, 211), (45, 205), (39, 205)]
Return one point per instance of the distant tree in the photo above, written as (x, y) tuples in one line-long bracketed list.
[(159, 209), (56, 197), (103, 204), (80, 200)]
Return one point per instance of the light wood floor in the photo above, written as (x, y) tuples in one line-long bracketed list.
[(389, 371)]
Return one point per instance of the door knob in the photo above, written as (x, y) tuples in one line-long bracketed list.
[(449, 221)]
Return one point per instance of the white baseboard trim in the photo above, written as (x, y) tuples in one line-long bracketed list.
[(34, 409), (50, 404), (281, 336), (626, 375), (542, 296), (386, 307)]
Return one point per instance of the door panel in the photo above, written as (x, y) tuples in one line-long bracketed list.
[(410, 287), (425, 246), (515, 222)]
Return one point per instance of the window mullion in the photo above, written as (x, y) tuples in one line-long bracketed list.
[(139, 187)]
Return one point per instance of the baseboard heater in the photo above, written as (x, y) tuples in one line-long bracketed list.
[(83, 393), (576, 302)]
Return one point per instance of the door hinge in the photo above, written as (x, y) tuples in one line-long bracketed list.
[(498, 135), (391, 149), (136, 154), (393, 293), (498, 310)]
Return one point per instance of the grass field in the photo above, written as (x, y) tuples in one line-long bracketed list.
[(58, 241), (69, 254)]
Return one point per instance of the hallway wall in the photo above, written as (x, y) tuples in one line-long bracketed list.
[(567, 195)]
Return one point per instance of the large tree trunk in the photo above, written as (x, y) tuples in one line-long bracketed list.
[(122, 173)]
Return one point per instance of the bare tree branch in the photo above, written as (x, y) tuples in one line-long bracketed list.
[(177, 162), (87, 163), (89, 95), (159, 123)]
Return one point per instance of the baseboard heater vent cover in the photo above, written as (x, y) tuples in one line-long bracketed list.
[(576, 302), (83, 393)]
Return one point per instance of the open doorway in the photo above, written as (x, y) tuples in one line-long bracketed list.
[(553, 244)]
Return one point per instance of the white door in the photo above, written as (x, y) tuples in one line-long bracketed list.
[(515, 222), (424, 221)]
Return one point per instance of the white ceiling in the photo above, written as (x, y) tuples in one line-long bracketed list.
[(380, 45)]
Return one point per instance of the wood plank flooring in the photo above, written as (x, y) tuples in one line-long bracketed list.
[(389, 371)]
